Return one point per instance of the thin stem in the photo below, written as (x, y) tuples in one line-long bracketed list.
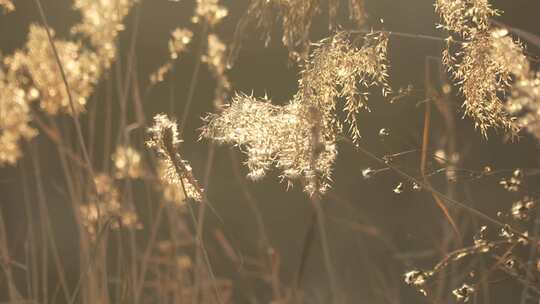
[(533, 252), (235, 163), (183, 173), (308, 240), (321, 224), (6, 263), (430, 95), (444, 197), (78, 128), (30, 246), (121, 139), (407, 35), (148, 252), (201, 216), (194, 79), (315, 199), (49, 232)]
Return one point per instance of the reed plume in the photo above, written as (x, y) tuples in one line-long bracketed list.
[(479, 65), (296, 18), (282, 136), (164, 139)]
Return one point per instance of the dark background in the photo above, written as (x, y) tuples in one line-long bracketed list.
[(369, 270)]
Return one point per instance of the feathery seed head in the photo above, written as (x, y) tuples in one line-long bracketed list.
[(300, 137), (7, 6), (173, 170), (484, 64)]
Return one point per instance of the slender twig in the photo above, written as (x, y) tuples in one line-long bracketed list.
[(406, 35), (74, 114), (533, 252), (307, 242), (44, 213), (444, 198), (200, 219), (235, 163), (194, 79), (6, 263), (100, 238), (315, 199), (128, 79), (147, 252), (425, 144), (183, 172), (32, 275)]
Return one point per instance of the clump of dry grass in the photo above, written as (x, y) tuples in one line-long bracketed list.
[(33, 74), (7, 6), (127, 163), (481, 64), (82, 68), (215, 59), (503, 254), (509, 251), (159, 254), (101, 23), (296, 18), (210, 12), (15, 119), (178, 44), (164, 139), (290, 136), (491, 67), (105, 208)]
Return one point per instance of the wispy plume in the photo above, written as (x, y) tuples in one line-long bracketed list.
[(164, 139), (7, 6), (300, 137), (101, 23), (38, 63), (210, 12), (480, 64), (295, 18), (178, 44), (15, 118), (32, 73), (105, 207), (215, 59), (127, 163)]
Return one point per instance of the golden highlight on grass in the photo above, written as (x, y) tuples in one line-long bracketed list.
[(7, 6), (141, 232), (481, 65), (164, 140), (295, 18), (337, 72)]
